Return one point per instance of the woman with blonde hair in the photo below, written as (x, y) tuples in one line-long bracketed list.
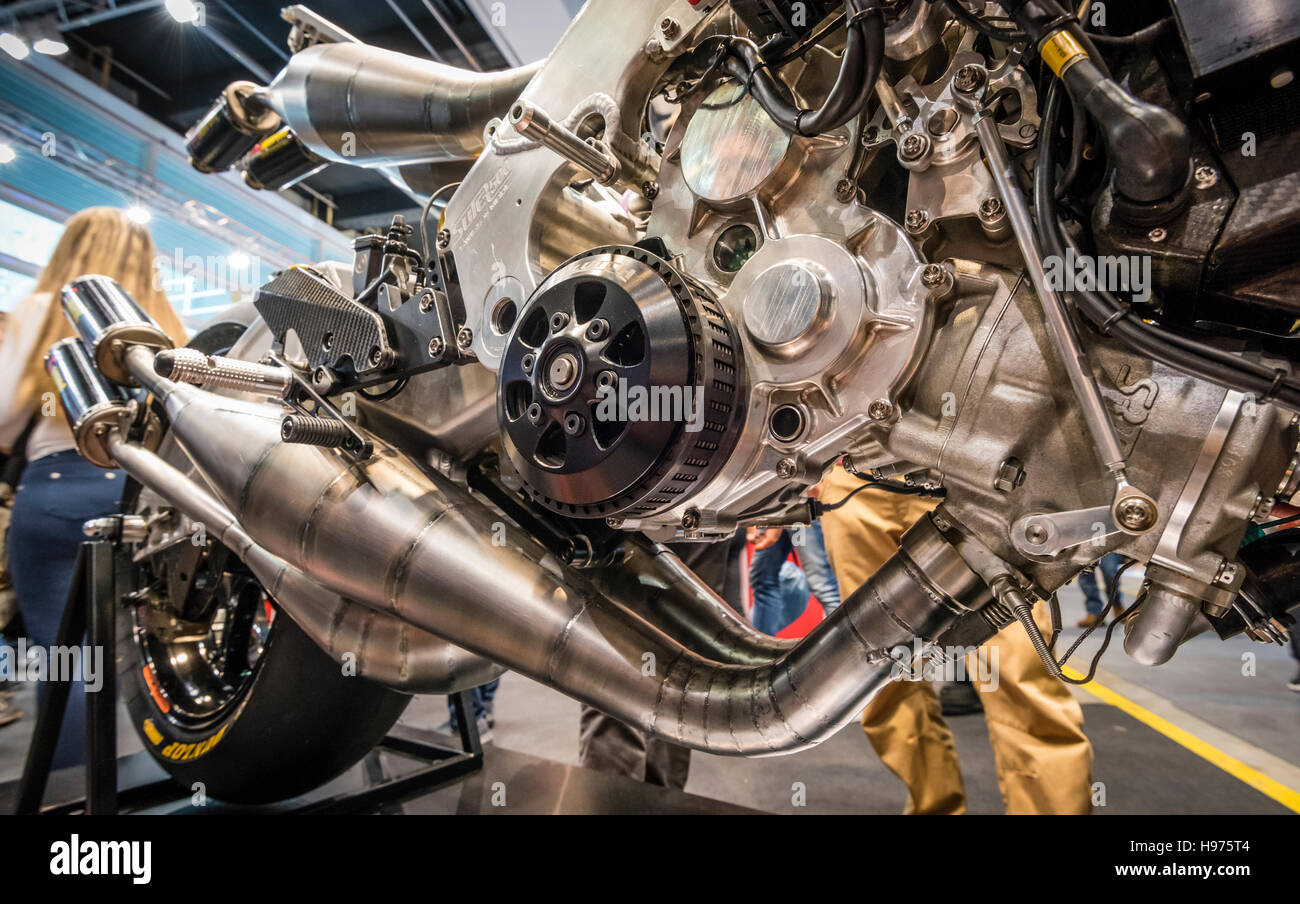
[(59, 490)]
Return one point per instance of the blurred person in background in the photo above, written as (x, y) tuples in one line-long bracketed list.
[(59, 490), (771, 549), (1043, 758)]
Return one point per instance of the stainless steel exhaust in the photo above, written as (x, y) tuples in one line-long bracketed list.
[(415, 546), (365, 106), (383, 648)]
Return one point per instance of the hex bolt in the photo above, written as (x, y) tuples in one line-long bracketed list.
[(597, 330), (1206, 177), (1011, 474), (534, 413), (969, 79), (917, 220), (1136, 513), (574, 424), (880, 409), (786, 468), (691, 519), (933, 276), (559, 320), (436, 347), (670, 27), (527, 363), (914, 147), (464, 338)]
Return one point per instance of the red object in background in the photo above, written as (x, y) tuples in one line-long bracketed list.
[(812, 613)]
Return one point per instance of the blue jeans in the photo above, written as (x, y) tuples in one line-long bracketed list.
[(1092, 599), (57, 494), (765, 577), (481, 697)]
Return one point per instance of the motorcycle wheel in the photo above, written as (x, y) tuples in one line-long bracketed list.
[(233, 700)]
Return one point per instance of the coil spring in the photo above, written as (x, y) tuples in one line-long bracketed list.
[(313, 431)]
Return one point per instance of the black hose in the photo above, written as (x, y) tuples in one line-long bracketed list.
[(864, 53), (984, 27), (1105, 312)]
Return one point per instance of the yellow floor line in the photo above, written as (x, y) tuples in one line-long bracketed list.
[(1286, 796)]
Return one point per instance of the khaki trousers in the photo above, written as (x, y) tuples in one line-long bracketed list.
[(1044, 760)]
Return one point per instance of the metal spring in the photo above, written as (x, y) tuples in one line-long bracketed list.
[(313, 431)]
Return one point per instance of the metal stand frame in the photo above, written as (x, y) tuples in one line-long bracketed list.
[(90, 613)]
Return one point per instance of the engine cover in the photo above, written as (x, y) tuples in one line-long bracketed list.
[(621, 387)]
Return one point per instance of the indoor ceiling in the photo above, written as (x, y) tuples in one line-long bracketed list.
[(173, 71)]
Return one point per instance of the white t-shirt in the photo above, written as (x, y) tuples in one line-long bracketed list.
[(51, 433)]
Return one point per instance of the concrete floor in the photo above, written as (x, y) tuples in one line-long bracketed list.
[(1231, 695)]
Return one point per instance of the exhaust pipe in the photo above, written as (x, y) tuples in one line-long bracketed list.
[(417, 547), (365, 106), (385, 649)]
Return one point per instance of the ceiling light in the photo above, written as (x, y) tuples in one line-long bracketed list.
[(138, 214), (50, 47), (7, 153), (13, 45), (182, 10)]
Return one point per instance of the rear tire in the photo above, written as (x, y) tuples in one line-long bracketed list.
[(285, 724)]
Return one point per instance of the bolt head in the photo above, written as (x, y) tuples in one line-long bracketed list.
[(559, 320), (465, 337), (1136, 514), (1159, 234), (933, 276), (598, 329), (669, 27), (527, 363), (436, 347), (786, 468), (1206, 177), (880, 409), (650, 190), (691, 519), (444, 238), (990, 209), (1036, 534), (574, 424), (917, 220), (914, 146), (534, 414), (968, 79)]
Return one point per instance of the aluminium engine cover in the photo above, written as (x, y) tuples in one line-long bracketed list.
[(621, 388)]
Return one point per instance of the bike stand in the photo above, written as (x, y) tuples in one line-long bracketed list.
[(90, 613)]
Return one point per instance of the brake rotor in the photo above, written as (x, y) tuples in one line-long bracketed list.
[(620, 387)]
